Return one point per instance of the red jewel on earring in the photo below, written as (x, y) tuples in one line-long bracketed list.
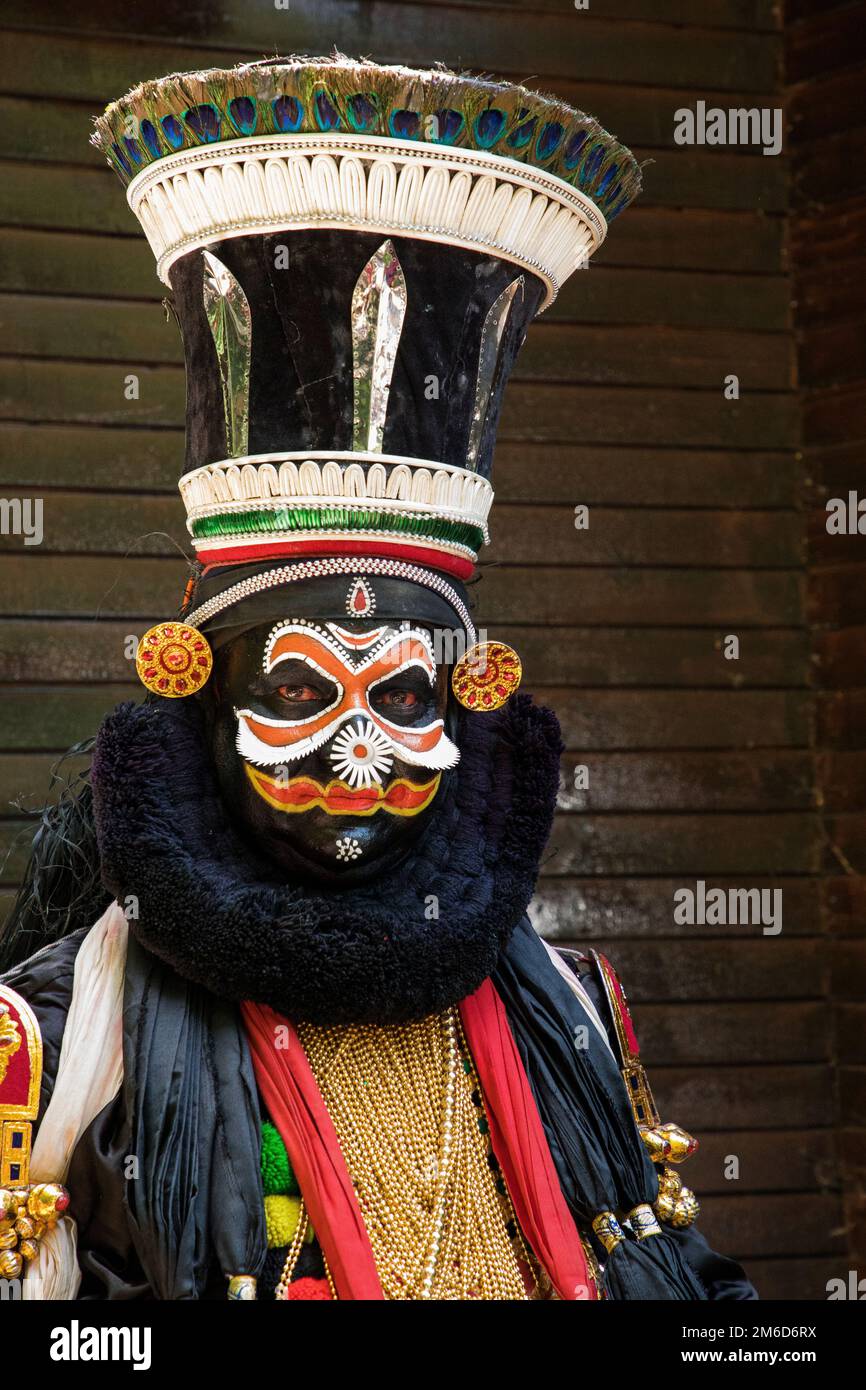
[(486, 676), (173, 659)]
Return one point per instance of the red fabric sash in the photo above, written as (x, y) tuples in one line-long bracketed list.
[(521, 1148), (294, 1102)]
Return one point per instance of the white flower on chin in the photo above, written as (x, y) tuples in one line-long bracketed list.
[(361, 756), (348, 848)]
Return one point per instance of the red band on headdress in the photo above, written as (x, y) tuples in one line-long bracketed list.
[(457, 565)]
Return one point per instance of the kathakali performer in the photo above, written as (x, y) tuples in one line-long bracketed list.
[(288, 1031)]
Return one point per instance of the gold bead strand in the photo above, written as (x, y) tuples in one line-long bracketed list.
[(294, 1253)]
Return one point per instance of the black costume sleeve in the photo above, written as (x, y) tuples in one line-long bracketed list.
[(723, 1278)]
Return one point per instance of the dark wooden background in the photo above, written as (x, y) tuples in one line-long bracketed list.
[(705, 520)]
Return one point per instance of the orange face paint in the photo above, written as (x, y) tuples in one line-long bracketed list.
[(354, 673)]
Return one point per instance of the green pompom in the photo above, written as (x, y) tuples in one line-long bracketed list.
[(277, 1176)]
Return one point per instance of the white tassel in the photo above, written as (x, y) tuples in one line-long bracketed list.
[(332, 480), (455, 204), (431, 203), (183, 211), (269, 482), (477, 205), (210, 195), (422, 486), (325, 184), (352, 482), (381, 186), (377, 480), (255, 188), (222, 492), (409, 186), (278, 188), (353, 190), (512, 223), (289, 483), (233, 482), (250, 488), (309, 479), (499, 205), (399, 483), (300, 190)]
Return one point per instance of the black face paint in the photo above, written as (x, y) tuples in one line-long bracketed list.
[(349, 808)]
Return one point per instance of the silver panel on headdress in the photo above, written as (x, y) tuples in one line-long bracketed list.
[(231, 326), (488, 360), (378, 309)]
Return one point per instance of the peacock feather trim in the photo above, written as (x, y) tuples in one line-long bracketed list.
[(308, 96)]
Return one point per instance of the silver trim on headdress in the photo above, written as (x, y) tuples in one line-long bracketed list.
[(231, 326)]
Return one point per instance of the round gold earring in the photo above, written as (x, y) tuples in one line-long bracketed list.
[(485, 677), (174, 660)]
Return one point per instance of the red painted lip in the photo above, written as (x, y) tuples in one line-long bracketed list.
[(401, 797)]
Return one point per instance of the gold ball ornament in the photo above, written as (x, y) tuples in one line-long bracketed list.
[(46, 1201), (665, 1207), (680, 1144), (486, 676), (173, 660), (670, 1183), (687, 1209), (11, 1264)]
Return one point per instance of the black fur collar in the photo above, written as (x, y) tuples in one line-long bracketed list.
[(378, 953)]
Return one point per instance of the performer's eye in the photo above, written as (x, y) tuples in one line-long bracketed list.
[(298, 694), (399, 699)]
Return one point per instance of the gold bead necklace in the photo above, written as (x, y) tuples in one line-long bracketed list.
[(406, 1108)]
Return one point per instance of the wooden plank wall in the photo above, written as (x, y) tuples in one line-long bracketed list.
[(699, 767), (826, 72)]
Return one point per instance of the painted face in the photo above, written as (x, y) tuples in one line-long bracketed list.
[(329, 741)]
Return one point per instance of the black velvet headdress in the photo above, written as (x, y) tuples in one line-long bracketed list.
[(355, 253)]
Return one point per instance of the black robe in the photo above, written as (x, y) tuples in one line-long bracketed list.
[(107, 1254)]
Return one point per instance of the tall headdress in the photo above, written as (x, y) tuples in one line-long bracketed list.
[(355, 253)]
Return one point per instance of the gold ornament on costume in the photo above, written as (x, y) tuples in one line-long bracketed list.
[(26, 1213), (665, 1143), (242, 1288), (27, 1210), (412, 1135), (643, 1221), (680, 1144), (608, 1230), (676, 1204), (174, 660), (486, 676), (10, 1040)]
